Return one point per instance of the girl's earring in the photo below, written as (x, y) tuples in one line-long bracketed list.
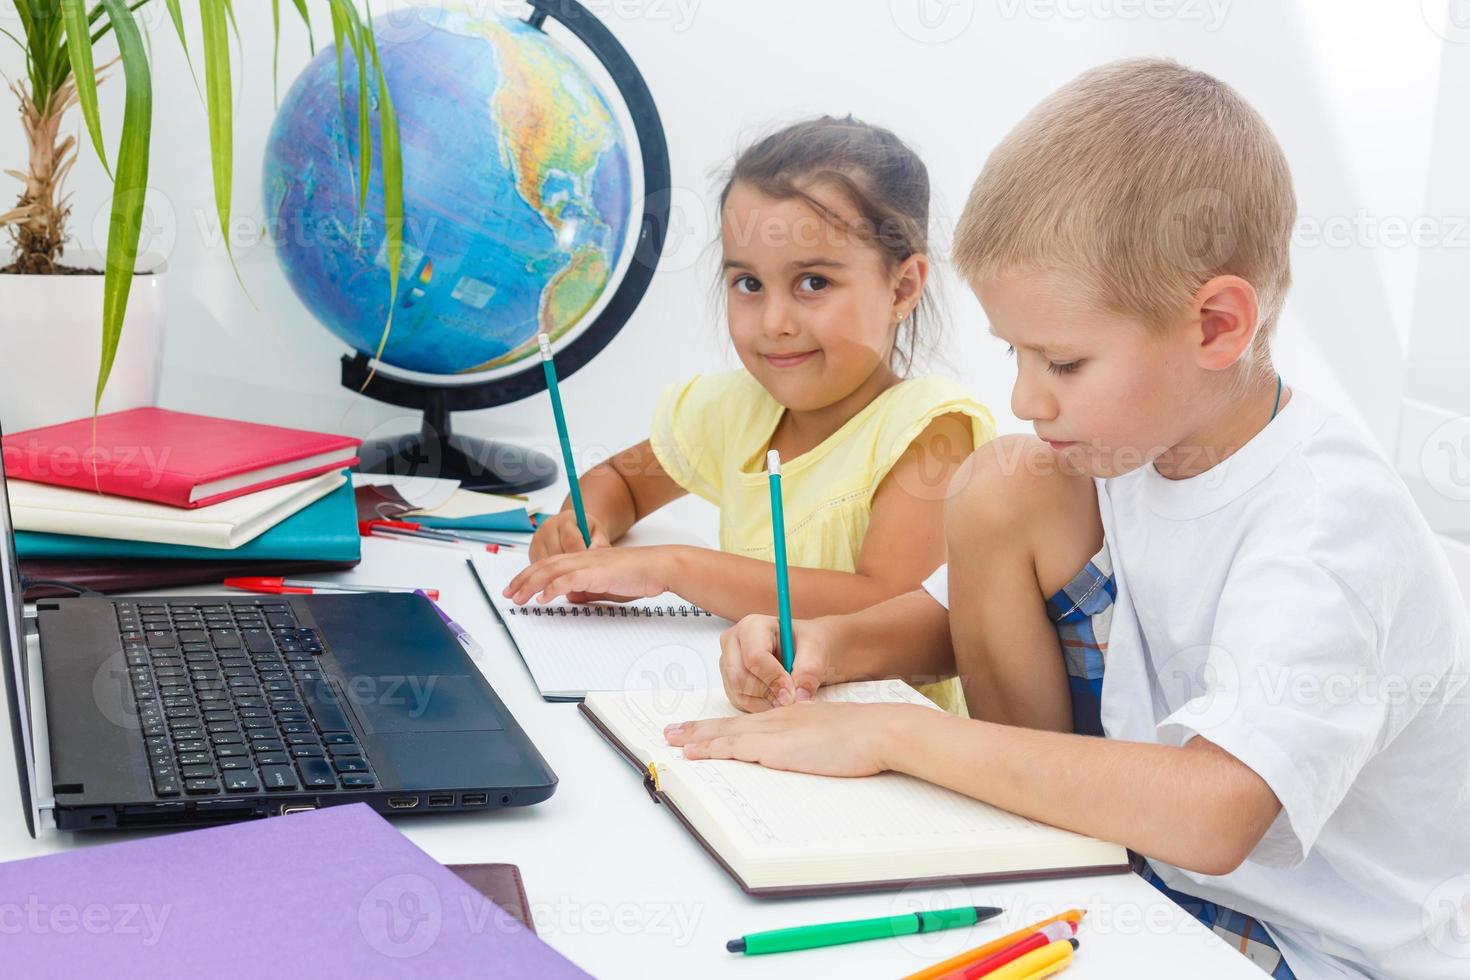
[(901, 315)]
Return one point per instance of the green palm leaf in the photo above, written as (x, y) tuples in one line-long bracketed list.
[(79, 48), (130, 184), (392, 151)]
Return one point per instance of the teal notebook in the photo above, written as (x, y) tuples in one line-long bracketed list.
[(323, 531)]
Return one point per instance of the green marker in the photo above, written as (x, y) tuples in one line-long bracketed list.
[(859, 930), (783, 586), (561, 432)]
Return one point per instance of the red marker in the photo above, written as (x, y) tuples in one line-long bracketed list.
[(299, 586), (1054, 932)]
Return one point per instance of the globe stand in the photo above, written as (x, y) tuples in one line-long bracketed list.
[(496, 467), (436, 450)]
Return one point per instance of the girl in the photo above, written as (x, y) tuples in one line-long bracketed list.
[(824, 229)]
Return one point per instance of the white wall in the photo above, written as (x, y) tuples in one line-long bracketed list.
[(1350, 87)]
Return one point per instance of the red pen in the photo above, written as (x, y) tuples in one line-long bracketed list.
[(1053, 932), (297, 586)]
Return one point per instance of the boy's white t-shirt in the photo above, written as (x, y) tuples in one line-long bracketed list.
[(1292, 606)]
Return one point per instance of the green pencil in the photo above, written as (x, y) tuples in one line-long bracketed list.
[(783, 585), (837, 933), (561, 431)]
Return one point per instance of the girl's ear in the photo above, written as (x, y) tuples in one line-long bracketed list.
[(908, 286)]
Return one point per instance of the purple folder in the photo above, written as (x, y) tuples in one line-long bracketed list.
[(332, 893)]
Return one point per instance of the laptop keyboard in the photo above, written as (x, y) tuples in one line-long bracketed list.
[(231, 700)]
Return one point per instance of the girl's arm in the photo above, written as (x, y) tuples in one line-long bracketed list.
[(903, 544), (1196, 807), (616, 494)]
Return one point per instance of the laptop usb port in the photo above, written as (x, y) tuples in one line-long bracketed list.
[(441, 799), (403, 802), (473, 799)]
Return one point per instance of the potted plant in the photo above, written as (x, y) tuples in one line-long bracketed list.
[(62, 314)]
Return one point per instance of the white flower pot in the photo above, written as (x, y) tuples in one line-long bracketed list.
[(51, 344)]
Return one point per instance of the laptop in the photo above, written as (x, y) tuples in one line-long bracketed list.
[(184, 711)]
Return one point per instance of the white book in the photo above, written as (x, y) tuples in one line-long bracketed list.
[(785, 833), (574, 649), (227, 524)]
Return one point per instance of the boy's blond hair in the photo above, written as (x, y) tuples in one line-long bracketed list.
[(1147, 179)]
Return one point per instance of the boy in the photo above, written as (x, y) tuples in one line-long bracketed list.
[(1263, 627)]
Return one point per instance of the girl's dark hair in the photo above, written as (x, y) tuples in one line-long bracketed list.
[(884, 180)]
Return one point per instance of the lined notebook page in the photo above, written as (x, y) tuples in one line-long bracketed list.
[(804, 817), (662, 644)]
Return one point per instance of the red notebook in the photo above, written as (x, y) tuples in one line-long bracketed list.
[(172, 457)]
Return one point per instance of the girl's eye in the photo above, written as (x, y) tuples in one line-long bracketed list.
[(814, 284), (746, 284), (1067, 368)]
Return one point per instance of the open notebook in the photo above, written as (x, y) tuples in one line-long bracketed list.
[(785, 833), (661, 643)]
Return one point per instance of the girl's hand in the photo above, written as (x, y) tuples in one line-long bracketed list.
[(750, 662), (822, 737), (615, 574), (559, 535)]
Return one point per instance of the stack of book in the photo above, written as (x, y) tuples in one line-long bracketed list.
[(151, 497)]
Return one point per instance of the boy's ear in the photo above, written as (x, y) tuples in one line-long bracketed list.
[(913, 272), (1227, 315)]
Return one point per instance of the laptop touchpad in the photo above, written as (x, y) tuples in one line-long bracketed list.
[(432, 703)]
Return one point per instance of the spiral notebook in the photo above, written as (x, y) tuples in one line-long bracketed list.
[(571, 650)]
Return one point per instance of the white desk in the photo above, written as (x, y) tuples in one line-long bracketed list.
[(617, 886)]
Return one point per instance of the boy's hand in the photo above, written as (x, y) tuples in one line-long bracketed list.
[(559, 535), (613, 574), (750, 662), (829, 739)]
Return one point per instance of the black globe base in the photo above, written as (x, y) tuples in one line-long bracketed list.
[(486, 465)]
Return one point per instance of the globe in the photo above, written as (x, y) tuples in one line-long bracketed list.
[(516, 192)]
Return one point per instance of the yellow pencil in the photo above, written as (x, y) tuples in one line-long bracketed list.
[(979, 953), (1043, 962)]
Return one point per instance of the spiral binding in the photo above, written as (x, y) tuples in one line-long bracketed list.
[(610, 612)]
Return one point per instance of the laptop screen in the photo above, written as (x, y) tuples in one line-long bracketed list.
[(13, 651)]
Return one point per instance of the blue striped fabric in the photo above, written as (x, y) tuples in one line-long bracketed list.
[(1082, 612)]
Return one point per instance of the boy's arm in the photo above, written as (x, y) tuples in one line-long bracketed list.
[(1196, 807)]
